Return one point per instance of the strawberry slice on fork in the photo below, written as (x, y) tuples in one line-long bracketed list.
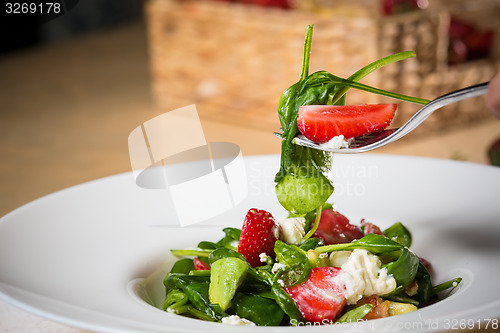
[(320, 123)]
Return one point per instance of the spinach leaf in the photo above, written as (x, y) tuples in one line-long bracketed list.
[(398, 233), (223, 252), (176, 299), (376, 244), (296, 262), (310, 243), (404, 269), (261, 275), (260, 310), (177, 302), (355, 314), (196, 289), (204, 245), (311, 216), (304, 187), (230, 239), (286, 303), (183, 266), (278, 292), (424, 291), (402, 297), (453, 283)]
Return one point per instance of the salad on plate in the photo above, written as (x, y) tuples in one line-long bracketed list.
[(312, 267)]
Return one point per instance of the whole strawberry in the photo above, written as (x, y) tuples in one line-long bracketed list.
[(258, 235)]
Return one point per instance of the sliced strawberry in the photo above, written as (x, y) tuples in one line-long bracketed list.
[(200, 265), (321, 297), (258, 235), (320, 123), (335, 228), (370, 228)]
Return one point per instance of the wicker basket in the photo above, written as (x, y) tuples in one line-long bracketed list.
[(234, 60), (432, 77)]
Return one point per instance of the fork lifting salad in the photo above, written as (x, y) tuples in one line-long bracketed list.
[(314, 266)]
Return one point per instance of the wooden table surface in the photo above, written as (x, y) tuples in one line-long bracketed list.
[(66, 111)]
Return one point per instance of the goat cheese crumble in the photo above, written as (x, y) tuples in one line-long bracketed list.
[(336, 142), (338, 258), (276, 267), (364, 277), (292, 230), (236, 320)]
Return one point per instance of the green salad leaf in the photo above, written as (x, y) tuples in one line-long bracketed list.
[(355, 314), (296, 266), (262, 311), (196, 290)]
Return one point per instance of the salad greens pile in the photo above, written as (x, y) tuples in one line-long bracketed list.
[(231, 286)]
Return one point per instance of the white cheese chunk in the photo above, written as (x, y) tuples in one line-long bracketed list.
[(236, 320), (276, 267), (292, 230), (338, 258), (365, 277), (336, 142)]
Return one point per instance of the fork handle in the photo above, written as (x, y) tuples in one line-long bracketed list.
[(449, 98)]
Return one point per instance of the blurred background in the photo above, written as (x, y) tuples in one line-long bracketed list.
[(73, 88), (89, 16)]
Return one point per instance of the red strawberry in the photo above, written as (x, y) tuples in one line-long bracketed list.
[(258, 235), (371, 228), (321, 297), (320, 123), (335, 228), (200, 265)]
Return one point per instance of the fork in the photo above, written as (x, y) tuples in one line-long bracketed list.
[(380, 139)]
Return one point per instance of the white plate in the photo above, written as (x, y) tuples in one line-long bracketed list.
[(74, 256)]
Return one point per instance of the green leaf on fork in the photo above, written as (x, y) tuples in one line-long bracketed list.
[(302, 183)]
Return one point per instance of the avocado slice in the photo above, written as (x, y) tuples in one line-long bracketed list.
[(226, 275)]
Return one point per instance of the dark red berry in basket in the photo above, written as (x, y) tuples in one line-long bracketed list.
[(285, 4)]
